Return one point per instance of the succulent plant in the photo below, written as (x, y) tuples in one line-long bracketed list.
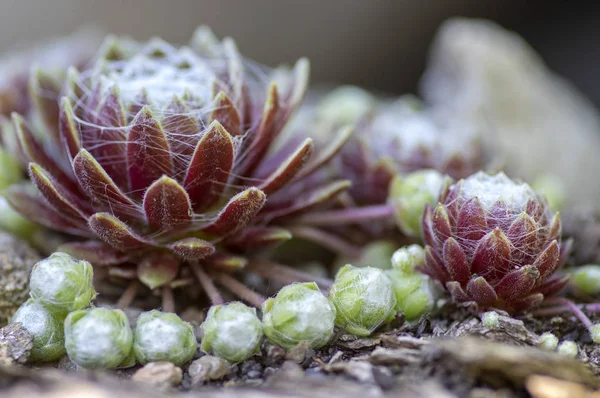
[(568, 348), (586, 279), (413, 291), (410, 193), (232, 332), (299, 312), (46, 328), (99, 338), (363, 298), (494, 242), (163, 156), (62, 284), (490, 319), (548, 341), (161, 336)]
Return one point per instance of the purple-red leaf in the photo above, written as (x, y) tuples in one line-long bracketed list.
[(69, 130), (435, 265), (263, 136), (457, 292), (181, 127), (192, 248), (426, 227), (456, 261), (523, 233), (518, 283), (227, 261), (555, 228), (109, 144), (226, 113), (441, 224), (531, 301), (240, 211), (553, 285), (167, 205), (97, 253), (471, 223), (158, 268), (114, 232), (99, 187), (44, 90), (56, 195), (547, 261), (37, 210), (481, 291), (210, 167), (325, 155), (288, 169), (148, 151), (259, 237), (492, 254), (36, 153)]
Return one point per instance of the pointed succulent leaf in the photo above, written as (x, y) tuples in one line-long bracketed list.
[(192, 248), (181, 128), (37, 210), (210, 167), (259, 237), (427, 228), (457, 292), (69, 129), (99, 187), (481, 291), (309, 200), (527, 302), (450, 197), (167, 205), (534, 209), (227, 261), (435, 265), (471, 222), (565, 249), (36, 153), (114, 232), (236, 214), (148, 151), (456, 261), (226, 113), (547, 261), (288, 168), (441, 224), (523, 232), (111, 153), (56, 195), (263, 136), (44, 90), (158, 268), (325, 155), (492, 254), (555, 228), (517, 283), (498, 215), (553, 285), (300, 82)]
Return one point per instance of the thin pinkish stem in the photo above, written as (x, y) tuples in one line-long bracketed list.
[(239, 289), (207, 284), (326, 240), (128, 295), (286, 274), (573, 308), (592, 307), (168, 301), (347, 216), (550, 311)]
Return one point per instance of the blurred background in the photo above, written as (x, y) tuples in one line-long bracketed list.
[(377, 44)]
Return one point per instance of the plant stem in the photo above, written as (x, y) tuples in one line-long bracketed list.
[(128, 295), (326, 240), (239, 289), (347, 216), (573, 308), (207, 284), (168, 302)]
